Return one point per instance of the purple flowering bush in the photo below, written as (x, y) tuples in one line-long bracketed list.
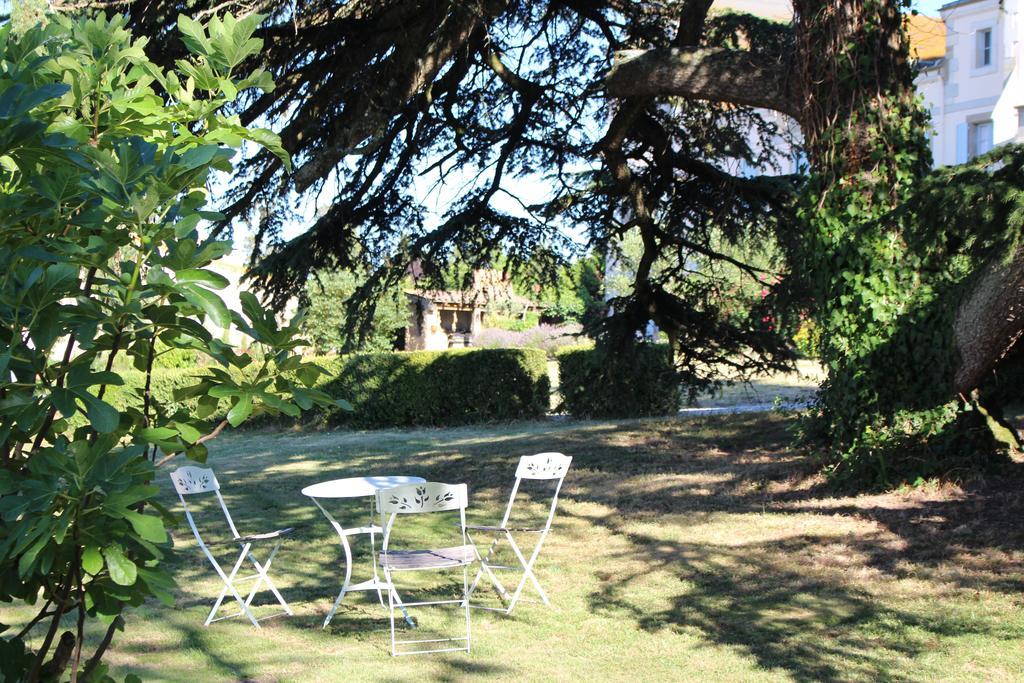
[(547, 337)]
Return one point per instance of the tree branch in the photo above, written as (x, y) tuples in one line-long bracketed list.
[(404, 74), (720, 75)]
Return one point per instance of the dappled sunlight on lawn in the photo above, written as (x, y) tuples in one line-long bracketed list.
[(708, 549)]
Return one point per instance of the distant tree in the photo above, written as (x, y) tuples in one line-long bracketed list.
[(380, 99), (639, 115), (327, 324), (588, 274)]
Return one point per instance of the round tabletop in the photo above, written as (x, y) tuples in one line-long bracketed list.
[(357, 487)]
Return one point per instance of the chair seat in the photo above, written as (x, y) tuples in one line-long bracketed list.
[(483, 527), (403, 560), (255, 538)]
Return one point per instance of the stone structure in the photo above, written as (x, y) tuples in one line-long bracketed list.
[(443, 319)]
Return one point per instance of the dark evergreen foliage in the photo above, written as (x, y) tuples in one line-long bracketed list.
[(480, 100), (642, 384)]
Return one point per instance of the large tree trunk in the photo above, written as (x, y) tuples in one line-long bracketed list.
[(989, 321), (834, 107)]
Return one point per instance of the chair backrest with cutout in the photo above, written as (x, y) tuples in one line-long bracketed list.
[(544, 467), (190, 480), (413, 499)]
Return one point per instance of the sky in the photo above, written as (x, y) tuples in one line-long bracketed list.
[(536, 187), (930, 7)]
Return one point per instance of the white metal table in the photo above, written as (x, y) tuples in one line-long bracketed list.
[(358, 487)]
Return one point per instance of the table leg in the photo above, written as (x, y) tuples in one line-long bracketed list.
[(348, 561), (346, 586), (348, 577)]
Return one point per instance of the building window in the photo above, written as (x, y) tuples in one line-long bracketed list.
[(1020, 117), (979, 139), (984, 56)]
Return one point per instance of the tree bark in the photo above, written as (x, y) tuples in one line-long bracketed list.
[(735, 76), (990, 318), (989, 321)]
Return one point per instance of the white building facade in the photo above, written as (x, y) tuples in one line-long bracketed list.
[(974, 87), (976, 91)]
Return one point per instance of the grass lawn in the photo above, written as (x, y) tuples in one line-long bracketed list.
[(784, 387), (700, 549)]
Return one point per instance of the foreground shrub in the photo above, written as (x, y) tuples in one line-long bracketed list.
[(105, 161), (640, 383), (439, 387)]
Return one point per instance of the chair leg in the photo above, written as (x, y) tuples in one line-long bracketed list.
[(391, 610), (227, 579), (263, 571), (230, 587), (216, 606), (527, 572), (465, 604), (480, 559), (485, 568)]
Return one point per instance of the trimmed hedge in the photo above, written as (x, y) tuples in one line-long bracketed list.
[(435, 388), (640, 385), (439, 388)]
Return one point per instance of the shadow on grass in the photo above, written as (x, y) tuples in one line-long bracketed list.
[(752, 597), (765, 597)]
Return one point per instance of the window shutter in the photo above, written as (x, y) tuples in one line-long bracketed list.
[(961, 143)]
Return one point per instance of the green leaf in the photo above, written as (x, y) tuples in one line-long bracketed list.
[(193, 35), (186, 225), (92, 560), (159, 583), (29, 557), (206, 407), (187, 432), (64, 400), (270, 141), (224, 392), (302, 397), (197, 453), (103, 416), (204, 277), (191, 391), (198, 157), (123, 571), (209, 302), (147, 526), (240, 411), (157, 433), (19, 99)]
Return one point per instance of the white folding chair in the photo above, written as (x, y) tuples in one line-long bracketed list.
[(543, 466), (196, 480), (414, 499)]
